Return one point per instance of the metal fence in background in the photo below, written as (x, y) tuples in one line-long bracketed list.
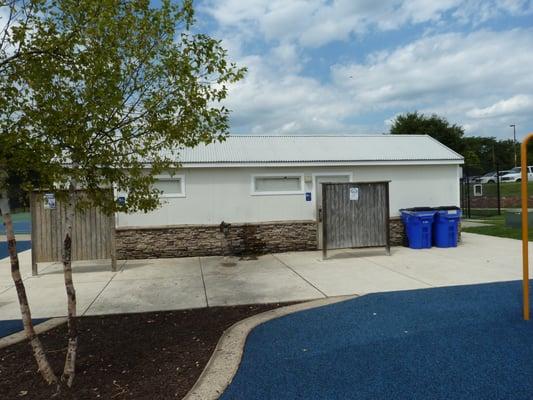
[(487, 197), (480, 200)]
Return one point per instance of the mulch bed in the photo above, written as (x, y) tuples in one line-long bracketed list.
[(132, 356)]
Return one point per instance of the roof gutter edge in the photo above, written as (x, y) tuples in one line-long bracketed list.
[(238, 164)]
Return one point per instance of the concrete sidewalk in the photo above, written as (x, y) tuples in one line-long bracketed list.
[(170, 284)]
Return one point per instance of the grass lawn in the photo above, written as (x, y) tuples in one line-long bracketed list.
[(506, 189), (485, 214), (496, 227)]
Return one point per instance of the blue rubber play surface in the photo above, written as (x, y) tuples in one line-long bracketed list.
[(462, 342), (10, 326), (21, 246)]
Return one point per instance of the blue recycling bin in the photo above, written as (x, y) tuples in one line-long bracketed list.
[(445, 226), (418, 224)]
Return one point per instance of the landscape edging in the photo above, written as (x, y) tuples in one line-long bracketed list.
[(18, 337), (226, 358)]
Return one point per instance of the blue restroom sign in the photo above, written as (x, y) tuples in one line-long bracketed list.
[(307, 196)]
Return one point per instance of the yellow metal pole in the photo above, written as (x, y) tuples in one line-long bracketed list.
[(525, 239)]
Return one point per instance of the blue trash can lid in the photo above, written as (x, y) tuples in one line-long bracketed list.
[(450, 213), (418, 209), (447, 208), (420, 214)]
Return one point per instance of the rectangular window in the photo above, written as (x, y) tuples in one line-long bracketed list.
[(170, 186), (290, 184)]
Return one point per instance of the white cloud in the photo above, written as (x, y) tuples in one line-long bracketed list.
[(317, 22), (11, 14), (515, 105), (287, 58), (478, 79), (440, 66), (473, 79), (478, 11), (269, 102), (4, 17)]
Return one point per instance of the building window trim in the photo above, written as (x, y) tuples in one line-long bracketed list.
[(180, 178), (255, 192)]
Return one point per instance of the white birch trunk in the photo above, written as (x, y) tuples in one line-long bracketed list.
[(36, 345), (69, 371)]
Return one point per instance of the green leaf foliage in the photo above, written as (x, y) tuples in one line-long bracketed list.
[(437, 127), (97, 91), (482, 154)]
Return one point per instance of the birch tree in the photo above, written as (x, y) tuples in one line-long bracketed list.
[(16, 13), (36, 346), (103, 89)]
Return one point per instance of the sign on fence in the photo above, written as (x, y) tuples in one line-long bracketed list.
[(354, 193), (49, 201)]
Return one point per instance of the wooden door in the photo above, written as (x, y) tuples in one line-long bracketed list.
[(319, 180), (355, 215)]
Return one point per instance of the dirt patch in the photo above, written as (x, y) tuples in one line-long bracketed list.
[(132, 356)]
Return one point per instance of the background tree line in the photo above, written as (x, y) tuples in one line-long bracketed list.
[(482, 154)]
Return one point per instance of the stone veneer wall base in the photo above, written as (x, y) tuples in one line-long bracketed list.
[(239, 240)]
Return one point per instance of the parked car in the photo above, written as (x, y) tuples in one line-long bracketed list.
[(515, 175), (490, 177)]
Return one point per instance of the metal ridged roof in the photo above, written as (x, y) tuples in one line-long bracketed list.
[(240, 149)]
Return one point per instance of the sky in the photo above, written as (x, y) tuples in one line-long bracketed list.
[(351, 66)]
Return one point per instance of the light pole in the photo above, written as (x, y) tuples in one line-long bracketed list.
[(514, 142)]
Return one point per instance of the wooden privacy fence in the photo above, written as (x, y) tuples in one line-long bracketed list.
[(93, 232), (355, 214)]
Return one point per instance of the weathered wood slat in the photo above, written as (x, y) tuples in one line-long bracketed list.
[(361, 222), (92, 236)]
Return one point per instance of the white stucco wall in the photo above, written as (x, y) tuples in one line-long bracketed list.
[(213, 195)]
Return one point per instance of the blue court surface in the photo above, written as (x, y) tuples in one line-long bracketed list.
[(10, 326), (462, 342), (21, 246), (22, 226)]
